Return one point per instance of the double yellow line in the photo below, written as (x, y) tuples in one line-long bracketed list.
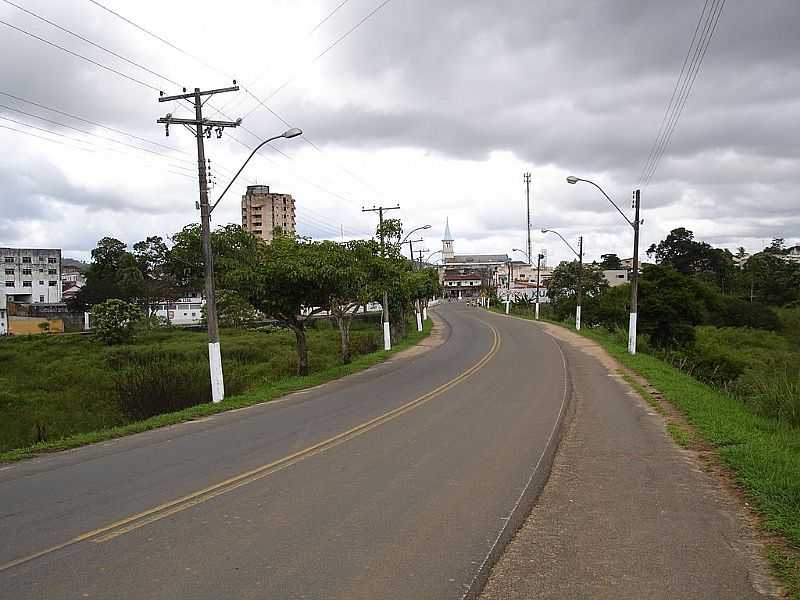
[(117, 528)]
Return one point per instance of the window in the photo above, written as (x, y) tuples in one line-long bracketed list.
[(41, 259), (9, 284), (52, 283), (51, 260), (51, 271), (194, 314), (257, 231), (26, 259), (41, 270), (41, 282), (9, 271), (27, 284), (41, 298), (9, 259), (26, 271)]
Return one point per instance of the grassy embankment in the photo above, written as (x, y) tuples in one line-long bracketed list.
[(59, 392), (749, 422)]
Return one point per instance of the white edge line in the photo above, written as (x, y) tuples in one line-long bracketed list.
[(530, 479)]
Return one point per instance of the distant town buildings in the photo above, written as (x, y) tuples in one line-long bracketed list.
[(459, 272), (264, 211), (30, 276)]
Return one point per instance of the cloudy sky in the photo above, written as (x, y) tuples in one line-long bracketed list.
[(438, 106)]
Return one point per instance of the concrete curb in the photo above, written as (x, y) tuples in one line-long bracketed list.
[(533, 488)]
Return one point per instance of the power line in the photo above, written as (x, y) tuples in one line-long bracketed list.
[(330, 47), (83, 131), (284, 121), (672, 98), (161, 39), (81, 56), (88, 41), (709, 17), (95, 123)]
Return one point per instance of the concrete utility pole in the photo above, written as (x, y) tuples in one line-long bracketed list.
[(424, 312), (634, 276), (387, 335), (635, 224), (203, 128), (539, 258), (508, 288), (579, 290), (527, 178)]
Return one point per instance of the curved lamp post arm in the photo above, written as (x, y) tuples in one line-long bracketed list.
[(286, 134), (572, 179), (412, 231), (575, 252), (432, 254), (523, 252)]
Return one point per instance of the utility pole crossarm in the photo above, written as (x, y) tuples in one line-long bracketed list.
[(205, 122), (187, 95)]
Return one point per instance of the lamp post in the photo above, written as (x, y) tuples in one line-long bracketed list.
[(411, 250), (215, 360), (579, 254), (635, 224)]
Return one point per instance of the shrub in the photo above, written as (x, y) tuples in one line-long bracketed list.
[(114, 321), (735, 312)]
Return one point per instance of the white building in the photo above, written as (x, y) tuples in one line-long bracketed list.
[(184, 311), (31, 276), (616, 277)]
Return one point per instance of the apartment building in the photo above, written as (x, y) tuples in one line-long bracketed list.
[(31, 275), (264, 211)]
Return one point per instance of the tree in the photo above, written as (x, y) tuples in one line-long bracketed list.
[(350, 273), (110, 259), (773, 280), (280, 280), (232, 310), (680, 251), (776, 246), (671, 304), (609, 262), (563, 289), (114, 321)]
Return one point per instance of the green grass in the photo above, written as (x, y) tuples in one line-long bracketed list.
[(67, 386), (763, 453)]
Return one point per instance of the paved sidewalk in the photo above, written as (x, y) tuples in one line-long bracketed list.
[(626, 512)]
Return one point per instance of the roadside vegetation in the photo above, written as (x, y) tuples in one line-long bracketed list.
[(291, 313), (721, 344)]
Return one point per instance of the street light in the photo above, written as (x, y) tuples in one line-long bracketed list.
[(635, 270), (215, 360), (579, 254), (527, 257), (411, 250), (539, 257)]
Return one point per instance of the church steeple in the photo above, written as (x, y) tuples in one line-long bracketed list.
[(447, 243)]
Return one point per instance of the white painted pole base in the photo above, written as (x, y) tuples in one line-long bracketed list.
[(424, 313), (536, 313), (632, 334), (578, 318), (387, 336), (508, 306), (419, 322), (215, 364)]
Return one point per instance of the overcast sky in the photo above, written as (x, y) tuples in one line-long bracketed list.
[(438, 106)]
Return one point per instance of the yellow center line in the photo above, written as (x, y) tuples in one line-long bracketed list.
[(162, 511)]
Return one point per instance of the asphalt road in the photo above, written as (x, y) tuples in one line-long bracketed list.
[(393, 483)]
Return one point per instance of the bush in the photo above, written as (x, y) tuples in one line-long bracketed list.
[(735, 312), (114, 321)]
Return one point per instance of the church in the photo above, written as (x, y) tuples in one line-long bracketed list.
[(464, 275)]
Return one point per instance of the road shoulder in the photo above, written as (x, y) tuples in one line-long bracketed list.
[(626, 512)]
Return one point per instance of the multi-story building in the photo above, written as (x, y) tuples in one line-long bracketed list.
[(263, 212), (31, 275)]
